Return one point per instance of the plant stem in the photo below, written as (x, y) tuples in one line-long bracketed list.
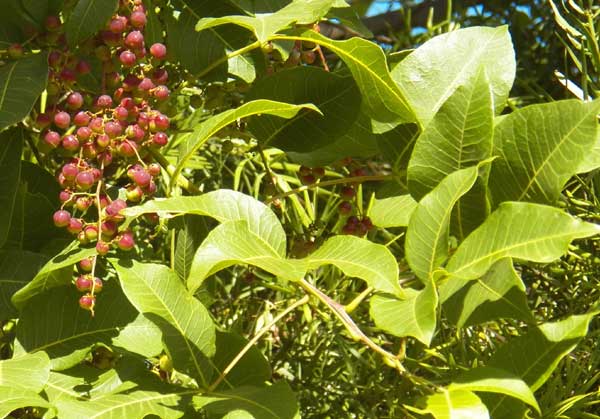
[(181, 180), (359, 299), (215, 64), (255, 339)]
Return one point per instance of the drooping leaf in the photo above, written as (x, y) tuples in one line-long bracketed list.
[(21, 83), (222, 205), (11, 147), (27, 372), (392, 212), (540, 147), (534, 356), (500, 293), (57, 272), (261, 6), (494, 380), (382, 99), (211, 126), (458, 136), (455, 404), (87, 18), (192, 230), (17, 268), (234, 243), (431, 73), (533, 232), (415, 315), (273, 402), (187, 328), (12, 398), (427, 233), (360, 258)]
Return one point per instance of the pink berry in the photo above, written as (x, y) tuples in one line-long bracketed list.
[(83, 283), (102, 248), (161, 92), (113, 129), (118, 24), (97, 125), (61, 218), (127, 58), (160, 122), (121, 113), (87, 302), (134, 193), (104, 101), (83, 203), (70, 143), (43, 120), (84, 180), (62, 120), (160, 76), (154, 169), (84, 133), (138, 19), (65, 196), (345, 208), (160, 139), (126, 241), (86, 264), (127, 149), (102, 141), (74, 100), (158, 51), (81, 119), (83, 67), (146, 84), (54, 59), (68, 75), (52, 138), (70, 171), (142, 178), (109, 228), (91, 232), (75, 225), (134, 40)]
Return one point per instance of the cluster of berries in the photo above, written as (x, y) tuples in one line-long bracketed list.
[(105, 140)]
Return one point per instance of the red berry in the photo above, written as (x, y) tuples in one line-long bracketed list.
[(62, 120), (97, 125), (43, 120), (98, 284), (104, 101), (52, 23), (84, 133), (83, 67), (319, 172), (91, 232), (54, 59), (134, 193), (70, 171), (83, 203), (74, 100), (83, 283), (126, 241), (138, 19), (127, 149), (158, 51), (75, 225), (102, 248), (70, 143), (347, 193), (142, 178), (160, 139), (353, 219), (154, 169), (81, 119), (86, 264), (160, 76), (68, 75), (308, 179), (161, 122), (52, 138), (304, 171), (65, 196), (87, 302), (85, 180), (127, 58), (161, 92), (109, 228), (146, 84), (61, 218), (134, 40), (113, 129), (345, 208), (118, 24), (121, 113), (105, 158), (349, 229)]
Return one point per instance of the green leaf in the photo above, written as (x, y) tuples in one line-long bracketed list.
[(222, 205), (494, 380), (17, 268), (359, 258), (15, 398), (431, 73), (28, 372), (392, 212), (153, 31), (541, 146), (261, 6), (455, 404), (21, 83), (500, 293), (415, 315), (11, 147), (534, 356), (192, 230), (274, 402), (234, 243), (207, 129), (533, 232), (57, 272), (267, 24), (427, 233), (382, 98), (188, 330), (68, 333), (458, 136), (87, 18)]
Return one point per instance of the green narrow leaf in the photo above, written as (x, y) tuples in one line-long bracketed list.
[(431, 73), (533, 232), (188, 330), (15, 398), (153, 31), (273, 402), (392, 212), (500, 293), (192, 231), (28, 372), (222, 205), (17, 268), (211, 126), (21, 83), (57, 272), (414, 315), (360, 258), (455, 404), (11, 147), (541, 146), (382, 99), (427, 233), (234, 243), (87, 18), (458, 136)]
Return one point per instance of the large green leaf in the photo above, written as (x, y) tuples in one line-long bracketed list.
[(541, 147), (188, 330), (273, 402), (427, 233), (264, 25), (455, 404), (87, 18), (12, 398), (53, 323), (392, 212), (28, 372), (494, 380), (21, 83), (500, 293), (359, 258), (11, 147), (191, 231), (207, 129), (534, 356), (57, 272), (533, 232), (413, 316), (458, 136), (382, 99), (222, 205), (234, 243), (431, 73), (17, 268)]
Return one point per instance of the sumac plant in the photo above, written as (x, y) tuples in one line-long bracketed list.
[(159, 160)]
